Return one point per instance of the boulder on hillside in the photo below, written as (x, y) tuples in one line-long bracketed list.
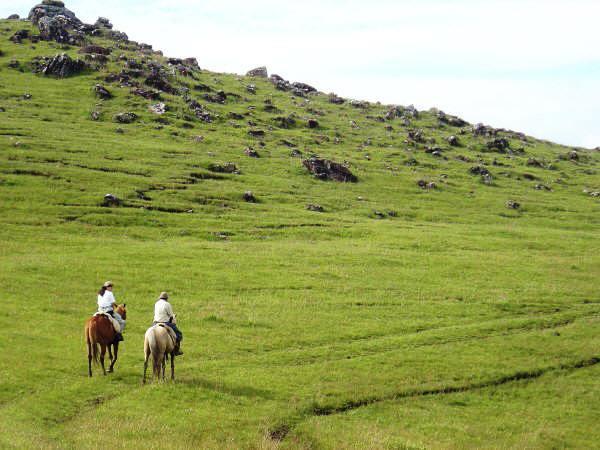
[(325, 169), (102, 92), (18, 36), (103, 22), (126, 117), (511, 204), (498, 144), (52, 8), (159, 108), (312, 123), (59, 29), (111, 200), (62, 66), (451, 120), (336, 99), (95, 49), (259, 72)]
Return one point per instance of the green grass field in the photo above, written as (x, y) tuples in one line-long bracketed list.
[(397, 318)]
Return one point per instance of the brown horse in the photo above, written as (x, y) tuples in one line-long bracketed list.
[(99, 331)]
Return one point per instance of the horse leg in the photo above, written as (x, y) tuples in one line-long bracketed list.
[(114, 360), (145, 367), (102, 354), (89, 347), (164, 364), (172, 367), (110, 357)]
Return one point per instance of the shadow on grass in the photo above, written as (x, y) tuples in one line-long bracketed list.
[(236, 391)]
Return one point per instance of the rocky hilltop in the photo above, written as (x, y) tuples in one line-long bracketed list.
[(336, 138)]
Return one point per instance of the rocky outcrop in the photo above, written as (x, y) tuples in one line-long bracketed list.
[(52, 8), (126, 117), (259, 72), (13, 17), (324, 169), (62, 66)]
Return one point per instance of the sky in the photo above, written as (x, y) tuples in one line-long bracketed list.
[(527, 65)]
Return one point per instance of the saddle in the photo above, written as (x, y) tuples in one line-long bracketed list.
[(172, 334), (114, 322)]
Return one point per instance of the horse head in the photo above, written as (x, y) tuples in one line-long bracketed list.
[(122, 311)]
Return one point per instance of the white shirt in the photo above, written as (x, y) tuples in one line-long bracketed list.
[(162, 311), (106, 301)]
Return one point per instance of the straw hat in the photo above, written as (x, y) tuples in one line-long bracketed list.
[(163, 296), (108, 284)]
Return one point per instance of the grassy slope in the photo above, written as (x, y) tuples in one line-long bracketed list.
[(322, 328)]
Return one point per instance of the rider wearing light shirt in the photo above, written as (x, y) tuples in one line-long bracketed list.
[(163, 313), (107, 303)]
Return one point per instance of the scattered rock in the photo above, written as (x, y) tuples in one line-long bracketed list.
[(573, 155), (479, 170), (249, 197), (451, 120), (102, 92), (111, 200), (498, 144), (259, 72), (95, 49), (394, 112), (511, 204), (103, 22), (325, 169), (453, 141), (251, 88), (312, 123), (62, 65), (159, 81), (146, 93), (542, 187), (315, 208), (335, 99), (426, 185), (159, 108), (487, 179), (126, 117), (95, 115), (18, 36), (532, 162), (256, 133), (224, 168), (303, 88), (249, 151), (235, 116)]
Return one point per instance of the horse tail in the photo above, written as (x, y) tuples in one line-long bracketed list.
[(92, 341)]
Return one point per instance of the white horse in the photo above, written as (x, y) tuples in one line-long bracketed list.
[(159, 341)]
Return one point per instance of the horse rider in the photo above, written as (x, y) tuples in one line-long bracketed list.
[(107, 304), (163, 313)]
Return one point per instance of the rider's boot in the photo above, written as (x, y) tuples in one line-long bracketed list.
[(118, 337), (177, 351)]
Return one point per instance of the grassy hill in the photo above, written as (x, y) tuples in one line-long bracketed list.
[(403, 315)]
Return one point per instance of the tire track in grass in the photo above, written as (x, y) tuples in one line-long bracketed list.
[(279, 432)]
